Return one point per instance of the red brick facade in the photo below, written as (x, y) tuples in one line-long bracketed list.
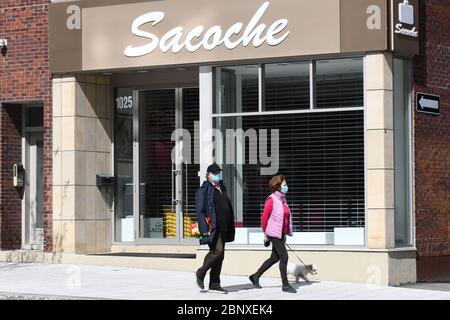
[(432, 142), (10, 153), (25, 76)]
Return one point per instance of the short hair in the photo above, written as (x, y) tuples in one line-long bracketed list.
[(275, 182)]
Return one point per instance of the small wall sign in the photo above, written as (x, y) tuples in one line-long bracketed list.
[(428, 103)]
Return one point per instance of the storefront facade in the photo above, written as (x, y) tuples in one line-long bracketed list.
[(147, 94)]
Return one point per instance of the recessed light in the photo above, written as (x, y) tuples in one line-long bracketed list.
[(142, 71)]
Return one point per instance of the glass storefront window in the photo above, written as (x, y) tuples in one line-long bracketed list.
[(123, 154), (320, 153), (237, 89), (286, 86), (322, 157), (339, 83), (403, 210)]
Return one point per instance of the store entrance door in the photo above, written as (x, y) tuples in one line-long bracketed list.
[(165, 188), (34, 191)]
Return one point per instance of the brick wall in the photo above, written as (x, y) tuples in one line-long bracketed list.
[(432, 137), (25, 76), (10, 153)]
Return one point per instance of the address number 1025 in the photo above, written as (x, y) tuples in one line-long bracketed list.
[(124, 102)]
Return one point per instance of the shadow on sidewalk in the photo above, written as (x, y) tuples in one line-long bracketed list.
[(303, 284), (240, 287), (249, 286)]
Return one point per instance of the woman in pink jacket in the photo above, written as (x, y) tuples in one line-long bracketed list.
[(276, 224)]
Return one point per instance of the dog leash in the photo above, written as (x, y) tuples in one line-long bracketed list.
[(295, 253)]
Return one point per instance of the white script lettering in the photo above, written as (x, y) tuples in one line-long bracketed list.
[(406, 32), (255, 33)]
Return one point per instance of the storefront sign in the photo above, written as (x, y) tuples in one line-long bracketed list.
[(428, 103), (406, 16), (105, 35), (407, 32), (254, 32), (405, 22)]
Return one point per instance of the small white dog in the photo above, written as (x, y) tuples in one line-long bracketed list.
[(301, 271)]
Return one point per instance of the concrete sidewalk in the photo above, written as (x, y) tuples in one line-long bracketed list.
[(55, 281)]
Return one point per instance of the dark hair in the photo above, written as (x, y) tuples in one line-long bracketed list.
[(275, 182)]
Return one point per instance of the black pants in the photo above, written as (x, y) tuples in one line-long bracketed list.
[(213, 260), (279, 253)]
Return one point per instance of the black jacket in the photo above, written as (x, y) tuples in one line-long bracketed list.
[(204, 207)]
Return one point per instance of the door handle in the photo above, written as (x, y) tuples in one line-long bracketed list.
[(172, 186), (175, 172)]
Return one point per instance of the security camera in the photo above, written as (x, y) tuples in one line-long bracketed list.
[(3, 43)]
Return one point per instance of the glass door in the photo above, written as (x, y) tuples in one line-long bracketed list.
[(191, 153), (165, 174), (156, 201), (125, 144)]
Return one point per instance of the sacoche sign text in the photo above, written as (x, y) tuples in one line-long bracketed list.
[(177, 39)]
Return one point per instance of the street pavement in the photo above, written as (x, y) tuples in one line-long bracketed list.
[(21, 281)]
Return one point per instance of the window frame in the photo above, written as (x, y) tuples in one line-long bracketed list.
[(312, 78), (261, 90)]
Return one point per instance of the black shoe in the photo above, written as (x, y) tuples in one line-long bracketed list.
[(217, 289), (199, 282), (289, 289), (255, 281)]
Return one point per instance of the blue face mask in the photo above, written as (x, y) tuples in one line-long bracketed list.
[(284, 189), (216, 177)]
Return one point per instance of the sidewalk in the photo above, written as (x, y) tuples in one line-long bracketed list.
[(44, 281)]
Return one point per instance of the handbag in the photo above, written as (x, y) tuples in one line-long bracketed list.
[(195, 230)]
